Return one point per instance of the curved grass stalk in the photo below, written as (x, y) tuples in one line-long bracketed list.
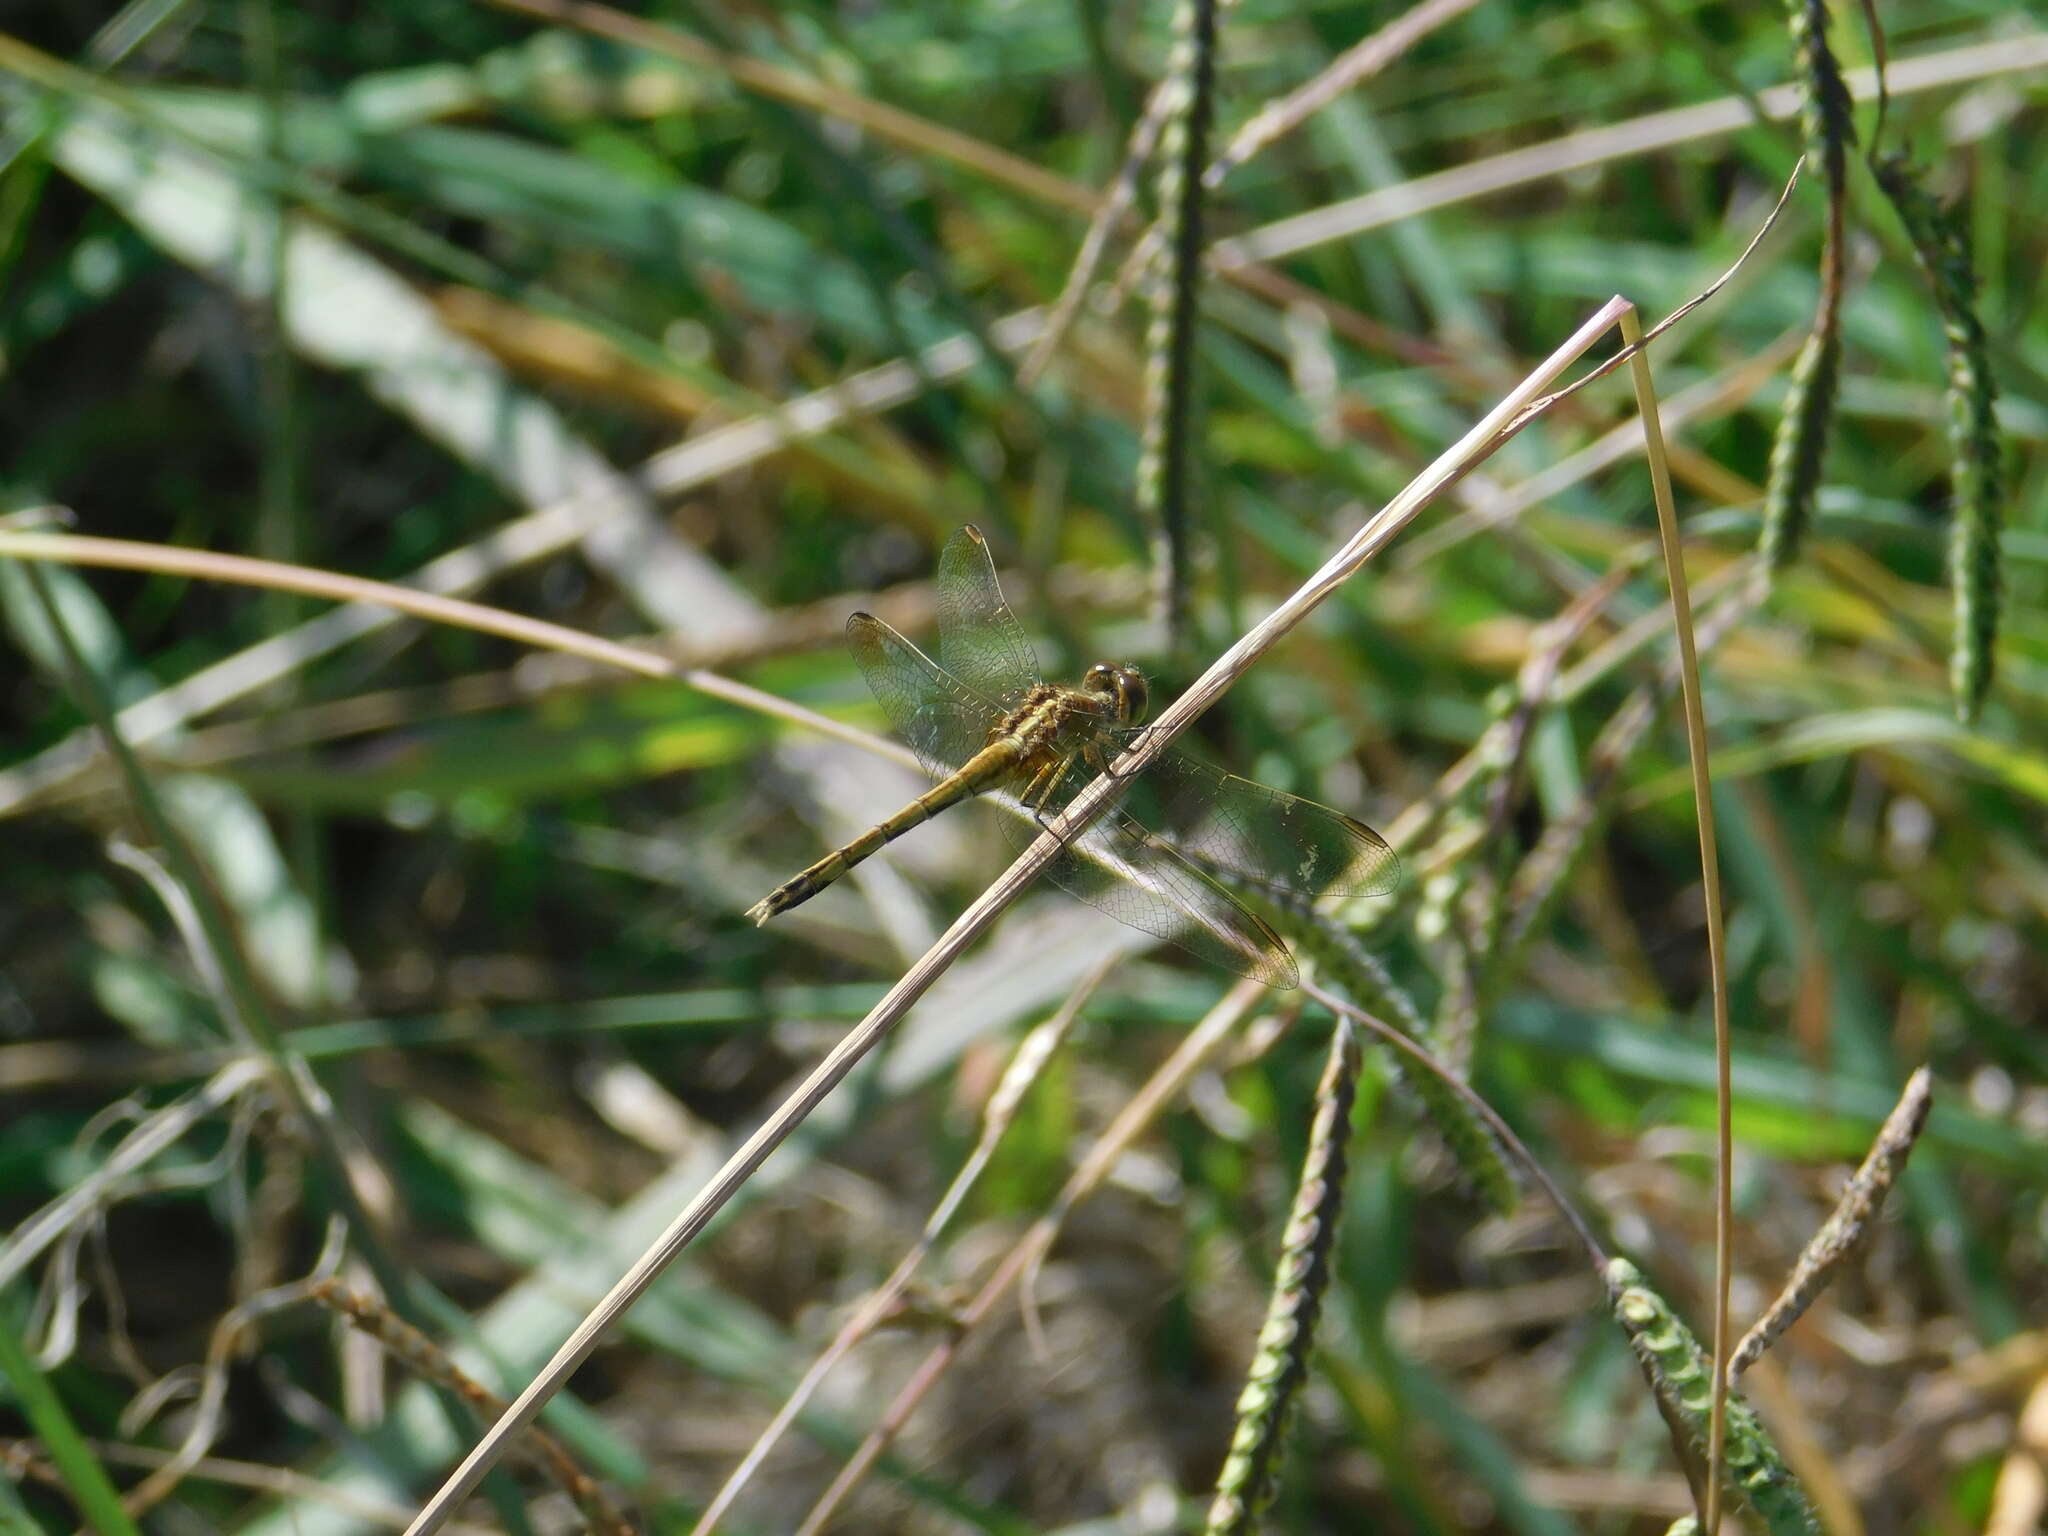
[(1343, 961), (1166, 443), (206, 565), (1279, 1366), (1679, 1373), (1799, 450), (1976, 475)]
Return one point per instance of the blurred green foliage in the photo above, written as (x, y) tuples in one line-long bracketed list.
[(500, 911)]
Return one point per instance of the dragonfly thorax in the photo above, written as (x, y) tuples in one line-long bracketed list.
[(1050, 722)]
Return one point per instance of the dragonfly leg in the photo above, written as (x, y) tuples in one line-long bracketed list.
[(1040, 790), (1100, 759)]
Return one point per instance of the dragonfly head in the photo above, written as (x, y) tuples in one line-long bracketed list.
[(1124, 687)]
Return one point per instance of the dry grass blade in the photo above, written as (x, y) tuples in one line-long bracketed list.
[(1116, 207), (1599, 146), (122, 554), (162, 1129), (206, 1420), (891, 124), (541, 533), (2019, 1501), (1351, 69)]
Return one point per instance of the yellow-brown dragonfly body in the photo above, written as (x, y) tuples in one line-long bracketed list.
[(983, 722), (1029, 750)]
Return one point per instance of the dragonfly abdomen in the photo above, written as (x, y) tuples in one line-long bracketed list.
[(992, 765)]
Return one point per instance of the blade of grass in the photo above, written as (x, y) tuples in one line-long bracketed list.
[(81, 1472)]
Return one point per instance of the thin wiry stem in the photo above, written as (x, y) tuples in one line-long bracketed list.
[(1515, 1147), (1710, 880), (1343, 961)]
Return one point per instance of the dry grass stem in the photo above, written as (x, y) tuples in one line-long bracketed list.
[(1026, 1064), (1710, 878), (1018, 1265)]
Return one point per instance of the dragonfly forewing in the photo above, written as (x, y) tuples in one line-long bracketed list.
[(980, 641), (943, 719), (1115, 865)]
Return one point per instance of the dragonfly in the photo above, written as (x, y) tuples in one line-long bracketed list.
[(1168, 858)]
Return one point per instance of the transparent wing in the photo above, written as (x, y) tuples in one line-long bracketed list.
[(1263, 835), (980, 641), (944, 721), (1117, 867)]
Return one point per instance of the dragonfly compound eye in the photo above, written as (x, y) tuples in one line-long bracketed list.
[(1132, 696)]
